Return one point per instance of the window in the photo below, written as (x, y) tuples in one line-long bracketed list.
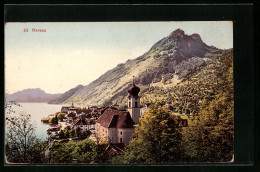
[(129, 104), (121, 132), (121, 140), (135, 103)]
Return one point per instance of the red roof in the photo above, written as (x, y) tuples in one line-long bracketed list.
[(66, 107), (115, 119), (82, 121), (115, 149), (71, 114), (73, 108), (86, 111)]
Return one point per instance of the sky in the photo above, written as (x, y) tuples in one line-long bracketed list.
[(73, 53)]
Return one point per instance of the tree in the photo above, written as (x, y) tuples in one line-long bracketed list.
[(67, 128), (78, 132), (54, 120), (62, 152), (211, 138), (85, 151), (136, 152), (101, 154), (85, 134), (37, 152), (61, 116), (61, 134), (20, 137), (72, 133), (67, 134), (156, 139)]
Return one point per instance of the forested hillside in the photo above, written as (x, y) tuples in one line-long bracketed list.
[(209, 135)]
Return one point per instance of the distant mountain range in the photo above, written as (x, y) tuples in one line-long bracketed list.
[(31, 95), (169, 61)]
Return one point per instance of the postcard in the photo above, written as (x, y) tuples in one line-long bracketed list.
[(119, 92)]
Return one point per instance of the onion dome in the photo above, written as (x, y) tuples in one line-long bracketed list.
[(133, 90)]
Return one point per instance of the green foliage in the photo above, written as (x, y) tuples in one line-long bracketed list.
[(85, 151), (67, 133), (37, 152), (78, 132), (85, 134), (72, 133), (21, 144), (211, 137), (156, 139), (67, 128), (137, 152), (61, 134), (62, 152), (101, 154), (54, 120), (60, 116)]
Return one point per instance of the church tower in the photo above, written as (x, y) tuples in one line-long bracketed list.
[(134, 102)]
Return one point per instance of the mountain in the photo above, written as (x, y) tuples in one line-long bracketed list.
[(31, 95), (168, 62), (66, 95)]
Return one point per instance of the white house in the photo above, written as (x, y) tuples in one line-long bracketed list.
[(83, 112), (83, 124), (70, 117)]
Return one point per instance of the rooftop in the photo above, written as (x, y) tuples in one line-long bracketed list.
[(115, 119)]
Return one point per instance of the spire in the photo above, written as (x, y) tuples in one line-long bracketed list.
[(133, 90)]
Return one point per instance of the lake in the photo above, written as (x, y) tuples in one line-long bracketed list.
[(37, 112)]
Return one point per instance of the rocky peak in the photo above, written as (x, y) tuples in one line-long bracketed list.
[(196, 36), (177, 33)]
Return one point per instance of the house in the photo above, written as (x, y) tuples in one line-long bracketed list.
[(94, 108), (115, 106), (72, 109), (83, 124), (70, 117), (115, 126), (114, 149), (144, 109), (81, 112), (64, 109)]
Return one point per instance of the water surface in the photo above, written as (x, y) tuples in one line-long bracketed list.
[(37, 112)]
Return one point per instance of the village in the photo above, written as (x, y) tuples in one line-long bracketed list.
[(112, 124)]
